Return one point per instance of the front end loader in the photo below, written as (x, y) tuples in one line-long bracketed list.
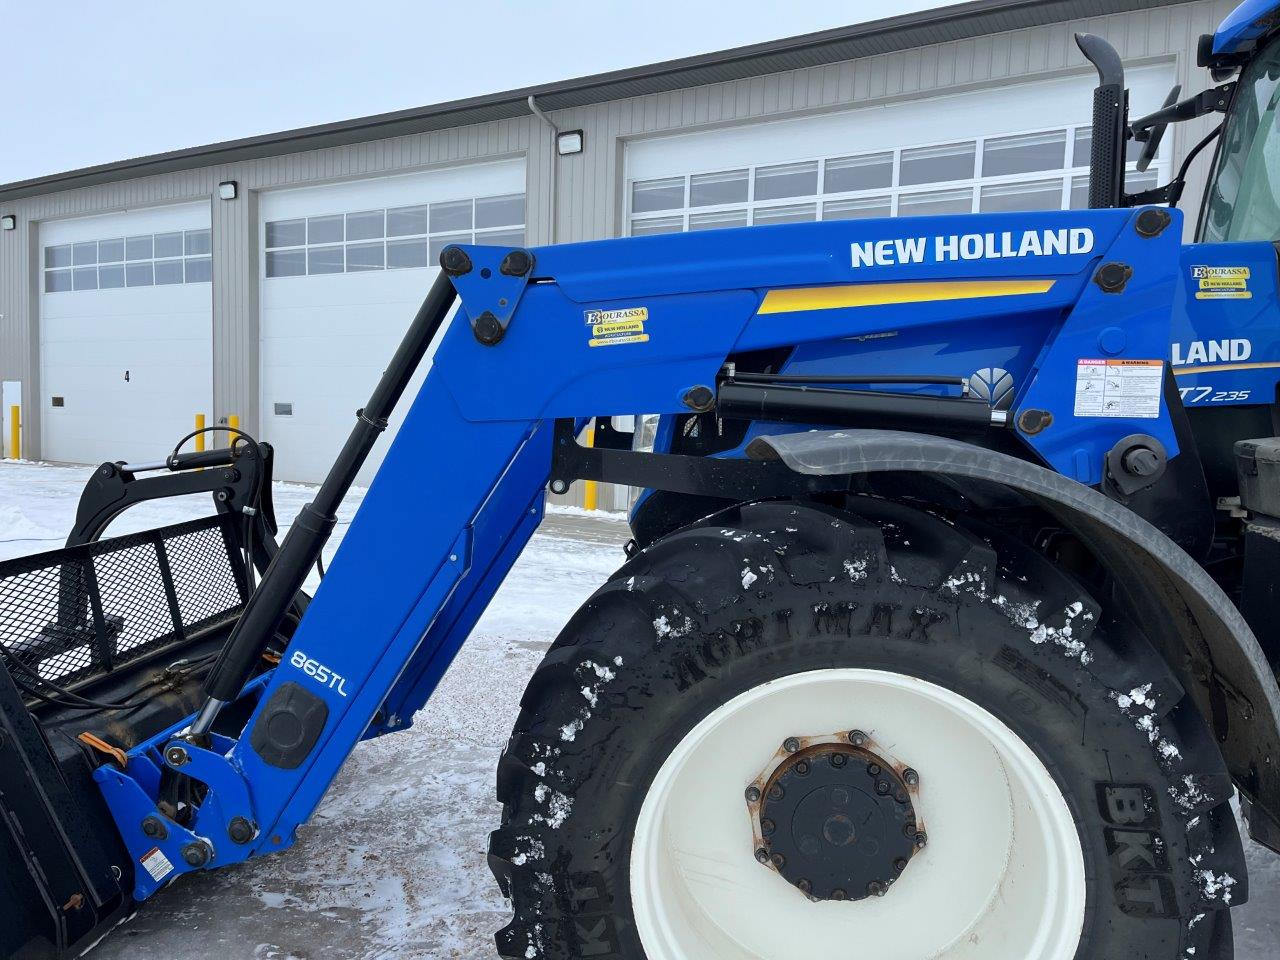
[(947, 629)]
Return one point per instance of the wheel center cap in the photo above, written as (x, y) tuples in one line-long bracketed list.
[(837, 820)]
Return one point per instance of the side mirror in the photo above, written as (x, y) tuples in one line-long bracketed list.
[(1110, 122), (1155, 134)]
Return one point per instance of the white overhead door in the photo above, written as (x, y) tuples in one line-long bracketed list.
[(1022, 147), (345, 268), (126, 333)]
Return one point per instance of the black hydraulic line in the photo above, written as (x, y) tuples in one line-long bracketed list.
[(797, 404), (288, 571), (918, 378)]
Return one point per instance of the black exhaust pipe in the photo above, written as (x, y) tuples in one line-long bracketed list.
[(1110, 123)]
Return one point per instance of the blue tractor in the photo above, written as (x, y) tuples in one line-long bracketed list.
[(948, 630)]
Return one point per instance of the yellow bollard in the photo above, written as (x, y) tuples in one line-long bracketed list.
[(591, 489), (233, 422), (200, 436), (15, 432)]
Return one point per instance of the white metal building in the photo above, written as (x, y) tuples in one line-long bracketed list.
[(271, 278)]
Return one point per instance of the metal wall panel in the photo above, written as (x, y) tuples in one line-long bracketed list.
[(579, 197), (235, 237)]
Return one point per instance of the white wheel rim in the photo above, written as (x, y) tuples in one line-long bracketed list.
[(1002, 877)]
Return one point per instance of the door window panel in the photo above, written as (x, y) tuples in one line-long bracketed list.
[(935, 203), (650, 195), (858, 209), (871, 172), (1029, 153), (952, 161), (787, 180), (1009, 197), (713, 189)]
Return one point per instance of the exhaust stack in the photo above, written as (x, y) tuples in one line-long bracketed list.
[(1110, 123)]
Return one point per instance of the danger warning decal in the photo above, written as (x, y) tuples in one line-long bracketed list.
[(1119, 388), (1221, 283), (612, 327), (156, 863)]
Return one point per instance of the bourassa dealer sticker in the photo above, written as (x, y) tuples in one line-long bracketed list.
[(1221, 283), (612, 327)]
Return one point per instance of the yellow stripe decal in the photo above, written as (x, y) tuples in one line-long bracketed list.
[(1217, 367), (880, 294)]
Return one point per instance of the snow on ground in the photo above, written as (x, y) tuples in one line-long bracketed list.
[(392, 866)]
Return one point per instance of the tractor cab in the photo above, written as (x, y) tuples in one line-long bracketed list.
[(1243, 198)]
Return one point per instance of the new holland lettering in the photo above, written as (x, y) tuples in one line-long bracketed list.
[(971, 246)]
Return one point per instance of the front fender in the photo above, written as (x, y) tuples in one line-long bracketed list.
[(1195, 626)]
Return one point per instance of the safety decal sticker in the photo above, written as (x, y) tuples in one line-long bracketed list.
[(1119, 388), (612, 327), (1221, 283), (156, 863)]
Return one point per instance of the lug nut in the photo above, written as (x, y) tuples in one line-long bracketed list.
[(776, 792), (858, 738), (900, 864), (922, 839), (791, 744), (910, 777), (804, 886), (875, 889), (802, 768), (779, 860), (762, 855), (882, 787), (839, 759), (768, 826), (753, 794), (873, 769), (838, 894)]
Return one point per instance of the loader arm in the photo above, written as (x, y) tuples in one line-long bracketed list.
[(605, 329)]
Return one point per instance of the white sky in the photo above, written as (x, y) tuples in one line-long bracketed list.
[(90, 82)]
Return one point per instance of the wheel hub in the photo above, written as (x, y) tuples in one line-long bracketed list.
[(836, 819)]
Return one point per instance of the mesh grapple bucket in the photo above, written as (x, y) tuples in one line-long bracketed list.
[(71, 615)]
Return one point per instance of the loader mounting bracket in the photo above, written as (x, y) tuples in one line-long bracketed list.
[(490, 285), (722, 477)]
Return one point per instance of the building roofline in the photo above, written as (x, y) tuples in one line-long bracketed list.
[(956, 22)]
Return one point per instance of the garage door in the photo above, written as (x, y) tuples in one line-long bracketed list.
[(950, 154), (126, 331), (344, 269)]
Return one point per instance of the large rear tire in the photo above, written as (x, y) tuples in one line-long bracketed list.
[(1068, 799)]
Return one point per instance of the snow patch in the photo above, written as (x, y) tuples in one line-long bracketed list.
[(748, 578), (1187, 794), (1215, 886), (558, 807)]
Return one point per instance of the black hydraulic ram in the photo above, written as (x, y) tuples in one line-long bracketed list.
[(786, 403), (288, 571)]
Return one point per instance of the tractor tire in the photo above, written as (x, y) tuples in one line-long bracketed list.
[(722, 752)]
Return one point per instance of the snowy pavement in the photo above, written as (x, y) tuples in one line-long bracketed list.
[(392, 866)]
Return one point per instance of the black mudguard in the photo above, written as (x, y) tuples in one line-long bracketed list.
[(1202, 635)]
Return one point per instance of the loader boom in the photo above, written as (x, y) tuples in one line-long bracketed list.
[(597, 330)]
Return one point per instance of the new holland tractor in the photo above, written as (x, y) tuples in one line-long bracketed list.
[(948, 630)]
